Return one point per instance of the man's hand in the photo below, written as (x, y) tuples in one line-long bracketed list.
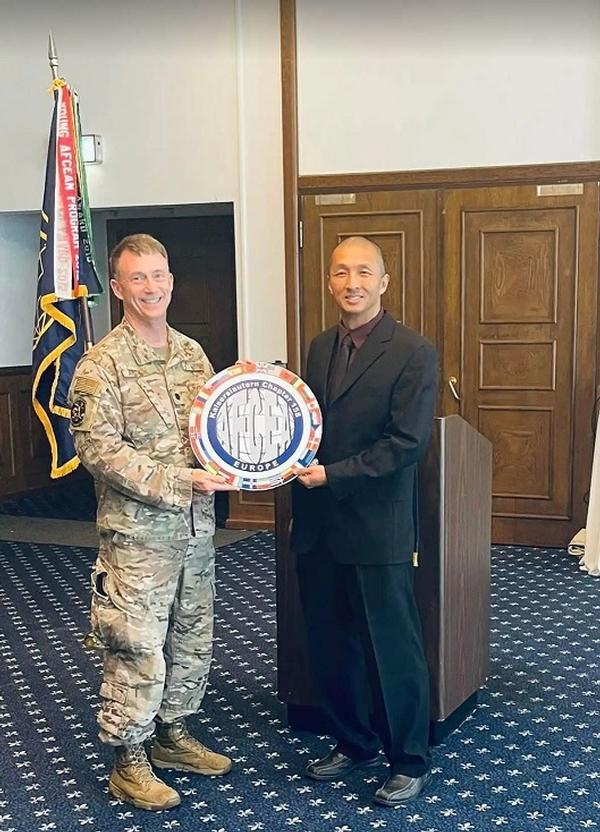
[(207, 483), (312, 477)]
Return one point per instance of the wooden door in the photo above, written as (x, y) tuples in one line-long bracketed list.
[(403, 224), (519, 300), (202, 258)]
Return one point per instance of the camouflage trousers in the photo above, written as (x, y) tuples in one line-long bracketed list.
[(152, 607)]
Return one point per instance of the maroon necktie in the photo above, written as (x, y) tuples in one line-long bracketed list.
[(342, 363)]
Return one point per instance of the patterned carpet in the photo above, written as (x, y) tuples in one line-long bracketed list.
[(526, 760)]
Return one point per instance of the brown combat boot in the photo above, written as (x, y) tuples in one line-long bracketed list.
[(173, 747), (133, 780)]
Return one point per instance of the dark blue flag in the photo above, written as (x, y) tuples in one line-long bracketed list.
[(67, 276)]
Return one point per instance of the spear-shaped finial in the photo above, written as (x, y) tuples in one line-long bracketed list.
[(52, 56)]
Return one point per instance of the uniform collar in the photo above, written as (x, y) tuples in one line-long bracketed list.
[(142, 352)]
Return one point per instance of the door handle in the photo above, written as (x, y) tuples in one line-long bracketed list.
[(452, 382)]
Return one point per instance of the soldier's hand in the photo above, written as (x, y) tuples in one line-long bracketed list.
[(207, 483), (312, 477)]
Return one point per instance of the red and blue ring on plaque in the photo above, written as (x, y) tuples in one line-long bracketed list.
[(253, 423)]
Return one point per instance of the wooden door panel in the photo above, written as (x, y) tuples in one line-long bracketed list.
[(404, 225), (34, 445), (9, 474), (523, 459), (517, 365), (520, 319), (518, 270)]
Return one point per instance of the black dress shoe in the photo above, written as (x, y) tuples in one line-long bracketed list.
[(335, 766), (400, 789)]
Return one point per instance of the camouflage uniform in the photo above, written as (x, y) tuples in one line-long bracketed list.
[(153, 582)]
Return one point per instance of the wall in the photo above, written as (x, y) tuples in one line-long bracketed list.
[(187, 99), (415, 85), (159, 86), (259, 210), (19, 236)]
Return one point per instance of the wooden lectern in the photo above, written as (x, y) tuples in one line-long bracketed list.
[(452, 582)]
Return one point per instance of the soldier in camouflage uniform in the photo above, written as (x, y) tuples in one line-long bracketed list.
[(153, 582)]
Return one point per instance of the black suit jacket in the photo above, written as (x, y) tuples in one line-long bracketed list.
[(375, 429)]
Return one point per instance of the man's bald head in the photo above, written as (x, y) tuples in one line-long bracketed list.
[(357, 279), (354, 242)]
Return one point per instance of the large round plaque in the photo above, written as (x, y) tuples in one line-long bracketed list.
[(253, 423)]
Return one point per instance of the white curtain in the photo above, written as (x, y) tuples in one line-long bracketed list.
[(590, 562)]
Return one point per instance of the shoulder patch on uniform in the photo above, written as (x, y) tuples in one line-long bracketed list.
[(78, 409), (87, 386), (83, 412)]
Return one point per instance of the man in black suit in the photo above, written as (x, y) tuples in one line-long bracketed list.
[(354, 530)]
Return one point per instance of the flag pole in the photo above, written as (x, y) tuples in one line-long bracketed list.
[(83, 303), (52, 56)]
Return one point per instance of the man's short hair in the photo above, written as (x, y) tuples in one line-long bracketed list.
[(137, 244)]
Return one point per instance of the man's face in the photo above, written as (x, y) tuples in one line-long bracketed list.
[(357, 280), (144, 284)]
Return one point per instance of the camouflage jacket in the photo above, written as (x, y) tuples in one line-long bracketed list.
[(129, 421)]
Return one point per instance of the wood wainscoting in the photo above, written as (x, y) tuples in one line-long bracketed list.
[(251, 510), (24, 452)]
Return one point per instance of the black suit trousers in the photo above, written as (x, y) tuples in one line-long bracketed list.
[(366, 650)]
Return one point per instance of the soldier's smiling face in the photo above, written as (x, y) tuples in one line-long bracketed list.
[(144, 284)]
